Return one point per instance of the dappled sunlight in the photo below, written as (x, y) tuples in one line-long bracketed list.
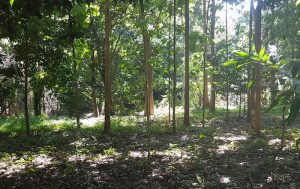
[(91, 121), (137, 154), (275, 141), (229, 137), (225, 180)]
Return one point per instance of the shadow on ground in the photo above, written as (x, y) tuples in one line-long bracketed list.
[(221, 155)]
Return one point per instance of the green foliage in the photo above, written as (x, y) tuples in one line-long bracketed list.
[(110, 151)]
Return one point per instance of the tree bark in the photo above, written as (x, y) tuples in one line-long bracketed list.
[(76, 87), (107, 67), (205, 87), (257, 108), (227, 57), (93, 82), (213, 60), (26, 111), (249, 90), (37, 97), (186, 121), (148, 93), (175, 67)]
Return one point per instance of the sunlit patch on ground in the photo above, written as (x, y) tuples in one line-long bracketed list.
[(225, 180), (137, 154), (230, 137), (275, 141)]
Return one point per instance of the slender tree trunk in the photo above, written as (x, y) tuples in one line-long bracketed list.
[(186, 121), (107, 67), (93, 81), (249, 90), (213, 60), (169, 65), (26, 111), (175, 67), (257, 108), (227, 57), (205, 84), (76, 87), (205, 101)]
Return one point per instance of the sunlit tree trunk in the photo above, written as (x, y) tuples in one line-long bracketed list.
[(187, 67), (205, 87), (107, 66), (227, 56), (175, 67), (249, 90), (148, 94), (213, 60), (257, 68), (93, 82)]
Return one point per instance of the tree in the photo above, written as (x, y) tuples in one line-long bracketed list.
[(149, 102), (175, 67), (187, 70), (257, 67), (107, 66), (213, 61)]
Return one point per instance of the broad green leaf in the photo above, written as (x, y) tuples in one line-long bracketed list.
[(230, 62), (202, 136), (11, 2), (261, 53), (298, 2), (242, 54), (265, 58), (250, 84)]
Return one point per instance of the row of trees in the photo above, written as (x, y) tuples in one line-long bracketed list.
[(110, 51)]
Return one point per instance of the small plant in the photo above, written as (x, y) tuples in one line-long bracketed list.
[(110, 151)]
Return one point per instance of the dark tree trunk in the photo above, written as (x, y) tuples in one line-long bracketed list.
[(186, 120), (37, 102), (76, 88), (26, 111), (107, 67), (257, 71)]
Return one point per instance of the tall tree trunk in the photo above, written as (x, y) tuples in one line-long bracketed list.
[(205, 77), (257, 108), (213, 58), (169, 64), (76, 87), (205, 101), (93, 82), (148, 94), (187, 67), (227, 56), (249, 90), (107, 67), (26, 111), (175, 67)]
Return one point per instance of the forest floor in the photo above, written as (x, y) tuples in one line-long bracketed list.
[(220, 155)]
